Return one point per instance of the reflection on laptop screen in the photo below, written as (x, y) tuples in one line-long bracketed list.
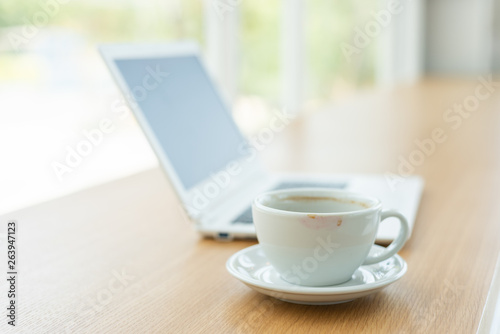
[(185, 113)]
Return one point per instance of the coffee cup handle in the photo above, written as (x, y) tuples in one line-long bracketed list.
[(397, 243)]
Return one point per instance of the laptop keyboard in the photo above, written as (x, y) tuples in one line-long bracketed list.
[(246, 216)]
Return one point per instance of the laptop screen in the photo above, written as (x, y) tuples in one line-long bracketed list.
[(186, 114)]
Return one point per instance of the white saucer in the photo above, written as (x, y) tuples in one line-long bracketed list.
[(251, 266)]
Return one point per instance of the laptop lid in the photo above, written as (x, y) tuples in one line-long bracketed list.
[(185, 119)]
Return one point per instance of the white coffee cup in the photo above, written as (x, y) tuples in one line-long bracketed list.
[(319, 237)]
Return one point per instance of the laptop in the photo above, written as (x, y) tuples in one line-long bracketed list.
[(214, 170)]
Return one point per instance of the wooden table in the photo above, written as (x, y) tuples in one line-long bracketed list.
[(123, 258)]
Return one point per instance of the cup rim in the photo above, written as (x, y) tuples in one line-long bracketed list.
[(257, 204)]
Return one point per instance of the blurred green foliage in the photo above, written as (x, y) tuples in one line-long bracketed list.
[(260, 48), (111, 20), (327, 25)]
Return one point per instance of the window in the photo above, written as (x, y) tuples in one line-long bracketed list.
[(54, 87)]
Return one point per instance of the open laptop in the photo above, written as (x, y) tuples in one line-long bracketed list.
[(215, 172)]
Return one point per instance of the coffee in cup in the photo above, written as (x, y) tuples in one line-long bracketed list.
[(319, 237)]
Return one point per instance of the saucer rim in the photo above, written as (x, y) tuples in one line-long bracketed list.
[(309, 290)]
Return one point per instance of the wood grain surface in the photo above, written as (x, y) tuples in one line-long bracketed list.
[(123, 258)]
